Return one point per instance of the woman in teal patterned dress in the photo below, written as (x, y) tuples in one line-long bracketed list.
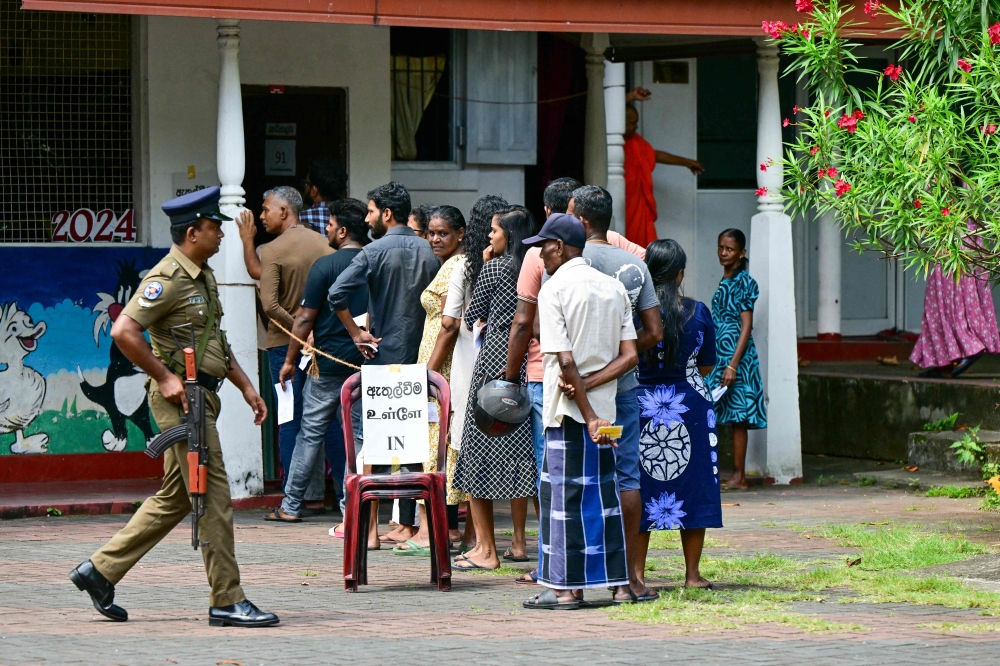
[(737, 367)]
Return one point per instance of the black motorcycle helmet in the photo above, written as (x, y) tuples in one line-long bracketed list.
[(501, 406)]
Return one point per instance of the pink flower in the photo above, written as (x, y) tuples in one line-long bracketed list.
[(871, 7), (805, 33), (761, 191), (912, 119), (814, 150), (804, 6), (827, 113), (893, 71), (796, 109), (786, 122), (831, 172), (945, 212), (849, 123), (917, 204), (841, 187), (994, 33), (763, 166), (821, 173), (859, 114), (989, 129), (774, 28), (964, 66)]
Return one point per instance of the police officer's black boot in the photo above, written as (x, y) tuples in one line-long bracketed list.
[(88, 579), (243, 614)]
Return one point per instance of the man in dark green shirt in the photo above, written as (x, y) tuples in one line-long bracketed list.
[(348, 233)]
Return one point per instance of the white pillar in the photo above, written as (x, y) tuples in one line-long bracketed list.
[(614, 113), (777, 451), (241, 441), (595, 146), (828, 267)]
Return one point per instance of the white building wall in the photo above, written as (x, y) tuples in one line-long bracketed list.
[(450, 184), (183, 84)]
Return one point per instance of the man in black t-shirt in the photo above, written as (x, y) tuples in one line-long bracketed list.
[(348, 233)]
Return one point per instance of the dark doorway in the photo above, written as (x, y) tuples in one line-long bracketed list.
[(284, 128)]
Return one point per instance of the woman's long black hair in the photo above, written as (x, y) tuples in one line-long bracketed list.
[(741, 241), (665, 260), (477, 235), (517, 224)]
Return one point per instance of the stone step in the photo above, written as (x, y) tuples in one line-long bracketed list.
[(932, 450)]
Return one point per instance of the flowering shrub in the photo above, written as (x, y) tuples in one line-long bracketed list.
[(927, 134)]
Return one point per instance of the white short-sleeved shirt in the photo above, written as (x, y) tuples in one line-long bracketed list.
[(583, 311)]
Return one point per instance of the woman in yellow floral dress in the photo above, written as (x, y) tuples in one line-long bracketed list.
[(445, 232)]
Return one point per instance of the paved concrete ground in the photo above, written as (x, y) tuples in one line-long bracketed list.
[(402, 618)]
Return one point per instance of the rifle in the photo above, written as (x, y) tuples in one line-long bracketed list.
[(191, 429)]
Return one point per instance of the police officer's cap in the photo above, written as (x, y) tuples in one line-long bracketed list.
[(197, 205)]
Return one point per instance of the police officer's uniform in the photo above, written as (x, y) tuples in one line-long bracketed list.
[(177, 293)]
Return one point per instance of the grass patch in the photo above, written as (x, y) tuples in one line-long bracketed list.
[(768, 523), (954, 492), (533, 533), (901, 546), (756, 589), (947, 627), (504, 570), (671, 540)]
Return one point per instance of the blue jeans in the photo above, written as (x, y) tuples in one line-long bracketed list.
[(627, 453), (289, 432), (537, 425), (320, 416)]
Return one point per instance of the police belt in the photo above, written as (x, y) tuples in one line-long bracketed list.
[(208, 381)]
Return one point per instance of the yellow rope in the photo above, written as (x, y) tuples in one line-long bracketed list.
[(309, 349)]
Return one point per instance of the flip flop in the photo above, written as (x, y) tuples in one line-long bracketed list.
[(462, 548), (509, 555), (413, 549), (276, 517), (964, 364), (648, 595), (532, 575), (472, 566), (548, 600)]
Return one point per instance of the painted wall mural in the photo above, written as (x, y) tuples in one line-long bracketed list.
[(65, 387)]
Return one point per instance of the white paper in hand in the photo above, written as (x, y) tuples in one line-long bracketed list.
[(286, 402), (362, 321), (479, 334), (718, 392), (304, 361)]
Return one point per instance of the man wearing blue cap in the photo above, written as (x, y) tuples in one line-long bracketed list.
[(586, 332), (178, 305)]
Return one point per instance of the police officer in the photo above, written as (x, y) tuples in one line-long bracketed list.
[(178, 303)]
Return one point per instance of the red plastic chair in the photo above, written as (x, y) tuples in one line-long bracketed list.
[(362, 489)]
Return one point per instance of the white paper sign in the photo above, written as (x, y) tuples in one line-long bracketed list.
[(394, 406), (286, 402), (279, 157)]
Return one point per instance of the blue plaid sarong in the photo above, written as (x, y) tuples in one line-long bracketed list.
[(581, 533)]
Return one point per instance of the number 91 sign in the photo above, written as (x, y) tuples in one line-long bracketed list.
[(84, 225)]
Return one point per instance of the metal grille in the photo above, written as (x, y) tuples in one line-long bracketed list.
[(65, 123)]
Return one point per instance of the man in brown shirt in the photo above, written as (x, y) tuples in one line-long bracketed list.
[(284, 267)]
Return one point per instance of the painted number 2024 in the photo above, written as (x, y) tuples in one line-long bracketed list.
[(84, 225)]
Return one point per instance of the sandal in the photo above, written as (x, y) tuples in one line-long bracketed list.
[(532, 578), (413, 549), (509, 555), (472, 566), (278, 516), (548, 600), (648, 595)]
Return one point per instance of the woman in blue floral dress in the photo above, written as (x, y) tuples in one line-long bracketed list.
[(737, 368), (678, 443)]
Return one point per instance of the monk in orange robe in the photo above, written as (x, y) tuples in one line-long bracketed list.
[(640, 160)]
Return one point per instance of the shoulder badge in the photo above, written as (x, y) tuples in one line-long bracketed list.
[(152, 291)]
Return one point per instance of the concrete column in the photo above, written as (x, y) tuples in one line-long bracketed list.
[(828, 267), (595, 146), (777, 451), (241, 441), (614, 113)]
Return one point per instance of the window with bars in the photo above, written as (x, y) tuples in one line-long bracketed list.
[(65, 126)]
